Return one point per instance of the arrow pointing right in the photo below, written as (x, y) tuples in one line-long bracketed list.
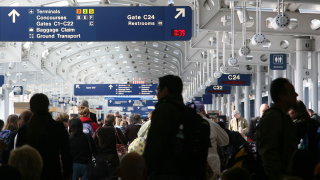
[(182, 11), (13, 13)]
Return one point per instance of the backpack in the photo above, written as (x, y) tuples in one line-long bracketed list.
[(192, 141), (87, 129), (5, 135)]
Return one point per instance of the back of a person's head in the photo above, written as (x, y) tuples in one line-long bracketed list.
[(173, 83), (310, 111), (28, 161), (1, 124), (64, 117), (116, 113), (83, 111), (9, 173), (135, 118), (302, 164), (118, 121), (301, 110), (12, 122), (109, 119), (132, 167), (124, 117), (236, 173), (277, 88), (75, 127), (123, 123), (84, 103), (221, 124), (39, 102), (25, 117)]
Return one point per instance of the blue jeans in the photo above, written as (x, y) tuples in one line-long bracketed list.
[(80, 171)]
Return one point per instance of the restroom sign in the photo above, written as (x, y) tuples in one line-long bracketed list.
[(278, 61)]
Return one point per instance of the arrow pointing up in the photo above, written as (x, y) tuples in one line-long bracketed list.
[(13, 13), (182, 11), (110, 86)]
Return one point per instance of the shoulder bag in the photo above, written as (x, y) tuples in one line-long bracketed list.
[(139, 143), (97, 167), (121, 148)]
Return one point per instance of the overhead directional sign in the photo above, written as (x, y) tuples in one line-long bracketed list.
[(129, 102), (1, 80), (149, 23), (114, 89), (214, 89), (234, 80), (207, 98), (278, 61)]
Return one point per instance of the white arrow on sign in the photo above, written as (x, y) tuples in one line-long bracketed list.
[(77, 86), (182, 11), (138, 107), (110, 86), (13, 13), (110, 101), (129, 101)]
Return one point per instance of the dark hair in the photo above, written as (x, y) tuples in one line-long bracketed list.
[(12, 122), (221, 124), (39, 106), (278, 87), (173, 83), (24, 117), (301, 110), (109, 119), (302, 164), (310, 111), (1, 124), (75, 127)]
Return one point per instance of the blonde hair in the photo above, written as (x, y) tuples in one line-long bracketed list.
[(118, 121), (64, 117), (83, 111), (123, 123), (150, 115), (28, 161)]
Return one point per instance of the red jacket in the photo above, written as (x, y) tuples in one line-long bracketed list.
[(93, 125)]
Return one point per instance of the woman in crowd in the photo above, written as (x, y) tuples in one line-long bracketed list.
[(107, 137), (63, 118), (48, 137), (28, 161), (305, 126), (118, 121), (80, 149), (123, 125), (11, 125), (84, 114), (135, 124)]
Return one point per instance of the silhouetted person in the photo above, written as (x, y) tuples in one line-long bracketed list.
[(132, 167)]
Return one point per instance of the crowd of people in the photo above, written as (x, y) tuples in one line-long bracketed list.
[(166, 146)]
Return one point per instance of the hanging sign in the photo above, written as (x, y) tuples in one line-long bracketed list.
[(278, 61)]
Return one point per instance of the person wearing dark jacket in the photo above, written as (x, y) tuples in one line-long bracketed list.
[(252, 133), (49, 138), (93, 116), (107, 138), (80, 146), (131, 132), (304, 126), (159, 153), (314, 116)]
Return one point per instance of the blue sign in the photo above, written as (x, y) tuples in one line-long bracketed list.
[(149, 23), (215, 89), (18, 90), (207, 98), (218, 95), (132, 102), (197, 99), (235, 80), (114, 89), (128, 98), (1, 80), (278, 61), (99, 107)]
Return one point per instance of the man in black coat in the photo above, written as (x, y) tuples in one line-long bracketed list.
[(314, 116), (93, 116), (252, 133)]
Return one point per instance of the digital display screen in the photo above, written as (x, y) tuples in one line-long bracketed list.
[(178, 32)]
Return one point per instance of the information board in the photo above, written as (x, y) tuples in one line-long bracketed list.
[(207, 98), (114, 89), (235, 80), (278, 61), (148, 23), (214, 89), (1, 80), (132, 102)]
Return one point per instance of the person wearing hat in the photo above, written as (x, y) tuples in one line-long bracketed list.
[(238, 123), (218, 136), (93, 116)]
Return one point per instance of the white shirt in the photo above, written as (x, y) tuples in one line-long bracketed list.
[(218, 136)]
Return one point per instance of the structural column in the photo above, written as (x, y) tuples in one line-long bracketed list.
[(229, 107), (314, 80), (237, 98), (218, 105), (246, 103), (223, 109), (300, 59), (289, 75), (214, 102), (6, 104), (258, 98)]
